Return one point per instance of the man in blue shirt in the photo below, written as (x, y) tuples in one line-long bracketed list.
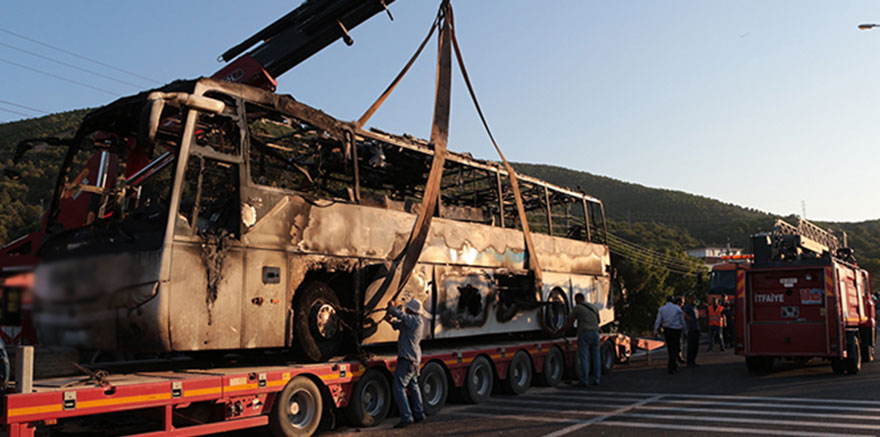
[(671, 318), (409, 358)]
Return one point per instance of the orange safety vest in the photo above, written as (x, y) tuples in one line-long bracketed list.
[(715, 317)]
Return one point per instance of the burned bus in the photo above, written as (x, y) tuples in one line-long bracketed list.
[(219, 216)]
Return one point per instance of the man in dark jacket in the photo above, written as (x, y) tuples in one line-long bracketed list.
[(409, 358), (693, 331)]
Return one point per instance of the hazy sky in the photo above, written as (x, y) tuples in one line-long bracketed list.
[(760, 103)]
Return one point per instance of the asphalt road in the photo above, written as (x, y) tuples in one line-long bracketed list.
[(642, 399)]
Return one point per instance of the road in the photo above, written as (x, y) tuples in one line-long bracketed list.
[(642, 399)]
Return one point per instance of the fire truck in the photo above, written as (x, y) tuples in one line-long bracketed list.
[(804, 297)]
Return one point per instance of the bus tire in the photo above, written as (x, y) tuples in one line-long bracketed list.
[(608, 357), (854, 358), (435, 388), (478, 381), (555, 313), (316, 325), (519, 374), (370, 400), (297, 409), (553, 368)]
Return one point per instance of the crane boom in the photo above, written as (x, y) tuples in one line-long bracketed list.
[(295, 37)]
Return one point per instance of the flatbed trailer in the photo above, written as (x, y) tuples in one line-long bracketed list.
[(291, 399)]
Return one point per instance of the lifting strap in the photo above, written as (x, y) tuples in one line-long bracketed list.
[(439, 136)]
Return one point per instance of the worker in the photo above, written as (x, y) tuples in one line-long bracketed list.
[(671, 318), (409, 357), (587, 317), (692, 320), (682, 348), (716, 323)]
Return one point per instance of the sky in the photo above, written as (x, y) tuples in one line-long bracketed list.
[(772, 105)]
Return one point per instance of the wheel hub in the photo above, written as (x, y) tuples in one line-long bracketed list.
[(325, 321), (294, 408)]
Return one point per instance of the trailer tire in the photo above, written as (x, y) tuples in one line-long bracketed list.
[(608, 357), (838, 366), (478, 381), (370, 400), (854, 356), (553, 368), (435, 388), (297, 409), (519, 374), (316, 324)]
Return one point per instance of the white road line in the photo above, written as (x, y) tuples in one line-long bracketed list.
[(761, 413), (739, 397), (756, 421), (582, 398), (718, 429), (769, 405), (588, 422), (518, 417)]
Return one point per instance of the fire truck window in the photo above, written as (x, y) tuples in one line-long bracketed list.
[(217, 204)]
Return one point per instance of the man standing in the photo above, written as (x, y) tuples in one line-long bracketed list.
[(409, 357), (671, 318), (716, 322), (693, 331), (587, 317)]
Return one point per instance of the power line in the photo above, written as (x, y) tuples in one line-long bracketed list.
[(24, 107), (651, 253), (79, 56), (58, 77), (640, 257), (16, 112), (70, 65)]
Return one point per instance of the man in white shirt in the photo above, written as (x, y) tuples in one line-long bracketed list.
[(671, 318)]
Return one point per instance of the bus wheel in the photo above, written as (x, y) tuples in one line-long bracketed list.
[(297, 409), (553, 368), (316, 323), (853, 359), (434, 386), (478, 382), (556, 312), (370, 400), (519, 374), (608, 357)]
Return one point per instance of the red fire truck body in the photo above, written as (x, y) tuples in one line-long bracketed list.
[(803, 307)]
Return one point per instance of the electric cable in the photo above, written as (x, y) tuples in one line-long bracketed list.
[(58, 77), (24, 107), (16, 112), (70, 65), (79, 56)]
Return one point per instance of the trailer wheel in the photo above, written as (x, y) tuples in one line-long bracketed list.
[(837, 365), (478, 382), (316, 324), (519, 374), (553, 368), (297, 409), (608, 357), (853, 359), (435, 388), (370, 400)]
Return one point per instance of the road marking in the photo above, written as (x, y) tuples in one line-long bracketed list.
[(739, 397), (747, 420), (760, 413), (588, 422), (585, 398), (768, 405), (518, 417), (719, 429)]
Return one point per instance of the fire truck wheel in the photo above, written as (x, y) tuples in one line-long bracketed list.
[(478, 382), (435, 387), (316, 324), (867, 353), (837, 366), (854, 359), (608, 357), (553, 368), (370, 400), (767, 364), (519, 374), (297, 409), (753, 364)]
